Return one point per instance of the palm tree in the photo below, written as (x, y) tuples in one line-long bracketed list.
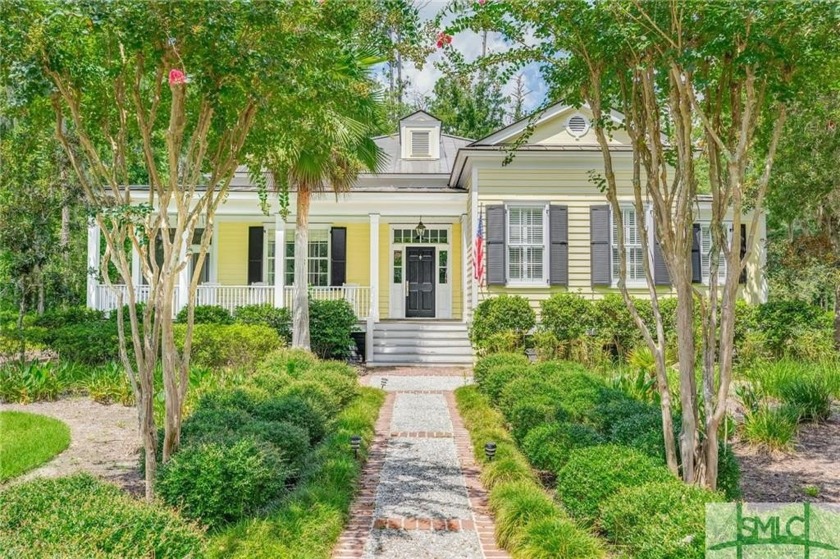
[(328, 146)]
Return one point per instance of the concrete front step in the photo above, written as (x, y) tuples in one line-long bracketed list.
[(419, 342), (419, 350), (406, 360)]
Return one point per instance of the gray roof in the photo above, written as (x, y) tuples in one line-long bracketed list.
[(394, 164)]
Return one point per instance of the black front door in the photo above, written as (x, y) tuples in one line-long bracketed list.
[(420, 298)]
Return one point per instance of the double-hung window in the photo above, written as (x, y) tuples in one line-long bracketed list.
[(526, 238), (318, 257), (706, 253), (632, 246)]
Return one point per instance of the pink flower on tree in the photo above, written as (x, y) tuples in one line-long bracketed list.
[(482, 2), (177, 77), (443, 39)]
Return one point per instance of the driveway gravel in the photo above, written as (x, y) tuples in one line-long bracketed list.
[(421, 412)]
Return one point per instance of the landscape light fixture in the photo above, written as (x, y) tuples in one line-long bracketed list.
[(383, 381), (355, 443), (420, 230), (490, 451)]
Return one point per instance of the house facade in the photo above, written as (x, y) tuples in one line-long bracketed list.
[(403, 245)]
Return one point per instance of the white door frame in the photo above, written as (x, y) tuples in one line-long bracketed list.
[(443, 291)]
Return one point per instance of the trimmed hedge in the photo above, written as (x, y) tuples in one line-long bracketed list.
[(528, 523), (591, 475), (80, 516), (234, 345), (664, 520), (279, 319), (310, 519), (548, 446), (502, 315), (205, 314), (331, 324)]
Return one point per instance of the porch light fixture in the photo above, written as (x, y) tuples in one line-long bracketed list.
[(490, 451), (420, 230), (355, 443)]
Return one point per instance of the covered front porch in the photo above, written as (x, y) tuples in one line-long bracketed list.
[(365, 248)]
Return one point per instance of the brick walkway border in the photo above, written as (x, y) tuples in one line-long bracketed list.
[(476, 493), (351, 543), (425, 524)]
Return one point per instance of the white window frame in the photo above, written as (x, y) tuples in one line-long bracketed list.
[(268, 261), (706, 259), (545, 254), (616, 259)]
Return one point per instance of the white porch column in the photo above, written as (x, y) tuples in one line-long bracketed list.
[(92, 263), (374, 267), (465, 247), (373, 314), (279, 262), (474, 224), (183, 279)]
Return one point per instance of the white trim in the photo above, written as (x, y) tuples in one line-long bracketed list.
[(473, 229), (396, 292), (183, 275), (544, 206), (374, 267), (92, 271), (630, 284), (279, 261), (465, 231)]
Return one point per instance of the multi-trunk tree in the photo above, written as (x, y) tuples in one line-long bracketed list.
[(696, 82), (170, 92)]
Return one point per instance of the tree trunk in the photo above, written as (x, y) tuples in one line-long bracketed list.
[(171, 371), (300, 304), (146, 417), (688, 383), (837, 316)]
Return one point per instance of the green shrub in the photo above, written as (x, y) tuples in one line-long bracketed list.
[(309, 521), (613, 410), (330, 326), (60, 317), (235, 345), (558, 537), (279, 319), (291, 440), (315, 393), (209, 421), (297, 411), (527, 387), (526, 414), (593, 474), (548, 446), (289, 361), (206, 314), (219, 482), (79, 516), (729, 473), (497, 378), (485, 364), (339, 378), (581, 394), (783, 322), (770, 428), (566, 315), (504, 313), (558, 366), (664, 520), (502, 342), (614, 325), (810, 396), (92, 343), (515, 505), (244, 399)]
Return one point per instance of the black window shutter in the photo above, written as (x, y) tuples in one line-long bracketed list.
[(338, 256), (601, 251), (495, 261), (255, 254), (696, 261), (558, 256), (743, 252), (660, 268)]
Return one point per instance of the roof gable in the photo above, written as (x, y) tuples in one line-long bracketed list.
[(557, 125)]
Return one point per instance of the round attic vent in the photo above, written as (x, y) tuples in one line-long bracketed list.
[(577, 125)]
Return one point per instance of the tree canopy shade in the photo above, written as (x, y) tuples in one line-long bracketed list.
[(698, 81), (172, 95)]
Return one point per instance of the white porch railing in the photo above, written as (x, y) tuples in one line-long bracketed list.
[(233, 296)]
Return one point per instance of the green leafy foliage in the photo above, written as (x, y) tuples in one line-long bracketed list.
[(219, 482), (79, 516), (267, 315), (661, 520), (567, 316), (330, 325), (91, 343), (504, 313), (206, 314), (770, 428), (234, 345), (549, 445), (593, 474), (489, 362)]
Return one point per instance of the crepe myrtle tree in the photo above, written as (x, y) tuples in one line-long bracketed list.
[(162, 94), (699, 84)]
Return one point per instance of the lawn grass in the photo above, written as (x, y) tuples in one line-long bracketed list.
[(28, 440)]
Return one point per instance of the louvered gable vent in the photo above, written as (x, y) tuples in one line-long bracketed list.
[(420, 144), (577, 126)]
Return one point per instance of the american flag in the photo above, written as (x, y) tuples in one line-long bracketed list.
[(478, 259)]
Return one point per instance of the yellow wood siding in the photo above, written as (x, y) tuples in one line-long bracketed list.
[(455, 271), (384, 269), (358, 252), (232, 240)]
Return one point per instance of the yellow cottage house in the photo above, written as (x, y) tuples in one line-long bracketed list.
[(401, 246)]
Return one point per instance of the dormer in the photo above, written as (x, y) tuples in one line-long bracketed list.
[(420, 136)]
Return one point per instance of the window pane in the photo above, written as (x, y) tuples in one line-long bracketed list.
[(515, 259), (443, 261), (397, 258), (443, 236)]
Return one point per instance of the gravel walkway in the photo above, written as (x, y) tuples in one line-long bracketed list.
[(420, 496), (104, 441)]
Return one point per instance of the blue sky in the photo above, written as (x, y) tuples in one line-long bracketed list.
[(469, 44)]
